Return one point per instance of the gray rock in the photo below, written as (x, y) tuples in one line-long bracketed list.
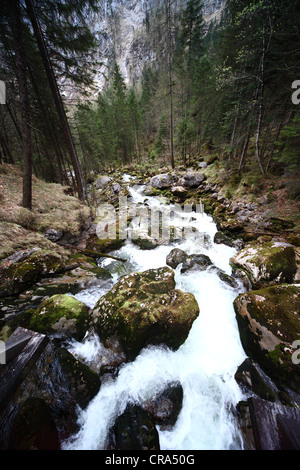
[(196, 262), (192, 179), (102, 182), (179, 191), (165, 180), (116, 188), (175, 257), (53, 235)]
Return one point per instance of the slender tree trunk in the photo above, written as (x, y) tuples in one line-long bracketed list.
[(58, 100), (283, 122), (261, 98), (24, 104), (14, 120), (244, 152), (258, 131), (6, 150), (171, 118), (169, 35)]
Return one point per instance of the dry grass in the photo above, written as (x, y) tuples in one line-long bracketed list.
[(253, 187), (52, 208)]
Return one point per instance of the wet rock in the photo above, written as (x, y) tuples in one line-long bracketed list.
[(59, 380), (145, 243), (83, 382), (220, 238), (145, 308), (33, 427), (227, 279), (135, 430), (269, 323), (253, 380), (266, 263), (61, 314), (275, 426), (166, 406), (22, 270), (175, 257), (196, 262)]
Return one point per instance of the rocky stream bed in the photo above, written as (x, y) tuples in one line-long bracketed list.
[(135, 310)]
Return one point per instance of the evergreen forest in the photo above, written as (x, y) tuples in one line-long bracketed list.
[(225, 89)]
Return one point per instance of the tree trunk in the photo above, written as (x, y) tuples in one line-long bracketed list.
[(169, 35), (58, 100), (244, 152), (24, 104), (261, 99)]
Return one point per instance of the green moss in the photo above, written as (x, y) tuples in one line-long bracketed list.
[(274, 310), (266, 263), (46, 318), (283, 263), (16, 277), (146, 308)]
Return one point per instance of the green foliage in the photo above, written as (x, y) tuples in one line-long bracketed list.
[(290, 138)]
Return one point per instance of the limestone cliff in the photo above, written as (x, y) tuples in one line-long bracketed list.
[(123, 29)]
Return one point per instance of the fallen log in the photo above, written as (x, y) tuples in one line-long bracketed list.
[(93, 254)]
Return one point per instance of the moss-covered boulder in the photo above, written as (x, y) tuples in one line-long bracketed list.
[(145, 308), (266, 263), (62, 314), (24, 268), (269, 323)]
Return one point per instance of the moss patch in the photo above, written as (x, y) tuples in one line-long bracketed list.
[(145, 308), (267, 262), (61, 313), (269, 322)]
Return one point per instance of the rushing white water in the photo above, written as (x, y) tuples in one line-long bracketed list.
[(204, 365)]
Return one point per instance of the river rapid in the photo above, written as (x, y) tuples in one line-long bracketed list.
[(205, 364)]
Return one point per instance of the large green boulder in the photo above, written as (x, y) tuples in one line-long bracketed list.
[(62, 314), (269, 323), (266, 263), (145, 308)]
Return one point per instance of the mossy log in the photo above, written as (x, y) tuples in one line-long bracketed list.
[(93, 254)]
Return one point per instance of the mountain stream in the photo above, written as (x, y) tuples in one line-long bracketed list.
[(204, 365)]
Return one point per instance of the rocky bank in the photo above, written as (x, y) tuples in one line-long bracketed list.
[(36, 287)]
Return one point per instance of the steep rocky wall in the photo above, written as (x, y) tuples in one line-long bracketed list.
[(121, 29)]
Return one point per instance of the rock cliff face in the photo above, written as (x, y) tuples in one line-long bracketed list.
[(122, 28)]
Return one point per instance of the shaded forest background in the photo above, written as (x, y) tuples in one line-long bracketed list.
[(222, 94)]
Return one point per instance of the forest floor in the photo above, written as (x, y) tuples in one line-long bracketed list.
[(52, 208), (275, 195)]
